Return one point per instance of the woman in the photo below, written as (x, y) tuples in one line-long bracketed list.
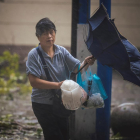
[(60, 65)]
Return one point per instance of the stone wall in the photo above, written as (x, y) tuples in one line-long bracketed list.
[(19, 17)]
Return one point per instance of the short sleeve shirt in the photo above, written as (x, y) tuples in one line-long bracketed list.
[(60, 69)]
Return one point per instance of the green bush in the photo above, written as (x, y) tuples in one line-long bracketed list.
[(12, 64), (10, 77)]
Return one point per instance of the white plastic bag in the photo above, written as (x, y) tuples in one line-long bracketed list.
[(95, 100), (73, 96)]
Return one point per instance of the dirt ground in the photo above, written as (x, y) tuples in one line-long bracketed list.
[(27, 128)]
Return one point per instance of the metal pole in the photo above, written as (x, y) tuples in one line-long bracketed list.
[(80, 15), (105, 73), (75, 15), (84, 11)]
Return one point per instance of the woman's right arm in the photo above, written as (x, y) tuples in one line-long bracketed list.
[(43, 84)]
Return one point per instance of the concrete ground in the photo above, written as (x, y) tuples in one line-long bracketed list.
[(123, 91), (20, 107)]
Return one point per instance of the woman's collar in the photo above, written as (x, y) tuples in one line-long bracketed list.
[(56, 50)]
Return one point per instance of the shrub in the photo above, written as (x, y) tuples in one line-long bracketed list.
[(10, 77)]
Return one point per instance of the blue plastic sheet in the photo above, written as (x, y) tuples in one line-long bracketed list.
[(91, 83)]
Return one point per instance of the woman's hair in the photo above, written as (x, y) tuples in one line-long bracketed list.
[(44, 25)]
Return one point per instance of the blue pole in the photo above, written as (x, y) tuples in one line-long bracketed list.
[(105, 73), (84, 11)]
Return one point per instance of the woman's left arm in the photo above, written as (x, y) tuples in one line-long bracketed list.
[(90, 60)]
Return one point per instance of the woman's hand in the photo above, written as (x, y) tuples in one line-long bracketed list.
[(90, 60), (59, 84)]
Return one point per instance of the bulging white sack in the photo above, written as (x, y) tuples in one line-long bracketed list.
[(73, 96), (94, 101)]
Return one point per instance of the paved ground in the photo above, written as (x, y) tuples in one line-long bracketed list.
[(123, 91), (21, 111), (20, 107)]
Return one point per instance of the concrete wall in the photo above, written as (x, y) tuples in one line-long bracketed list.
[(19, 17), (127, 18)]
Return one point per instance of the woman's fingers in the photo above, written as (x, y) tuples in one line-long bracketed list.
[(90, 60), (89, 57), (59, 84)]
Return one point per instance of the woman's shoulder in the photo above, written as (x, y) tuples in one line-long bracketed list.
[(32, 51), (32, 54), (62, 49)]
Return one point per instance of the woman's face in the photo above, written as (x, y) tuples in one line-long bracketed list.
[(47, 39)]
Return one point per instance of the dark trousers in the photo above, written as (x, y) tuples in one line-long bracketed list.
[(54, 128)]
